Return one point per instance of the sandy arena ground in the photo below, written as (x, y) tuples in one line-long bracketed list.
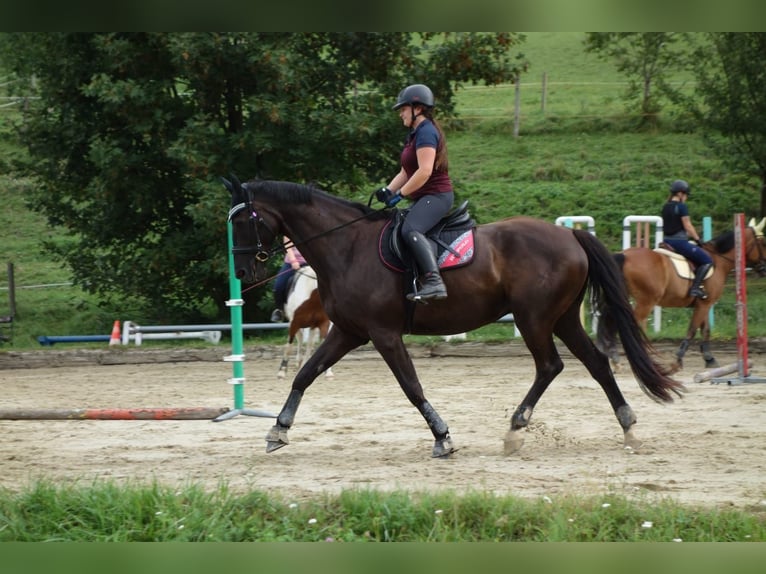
[(359, 431)]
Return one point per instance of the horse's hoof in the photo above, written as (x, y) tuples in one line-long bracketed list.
[(276, 438), (281, 375), (443, 448), (631, 443), (512, 443), (711, 364)]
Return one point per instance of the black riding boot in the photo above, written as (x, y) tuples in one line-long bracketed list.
[(431, 284), (278, 314), (699, 275)]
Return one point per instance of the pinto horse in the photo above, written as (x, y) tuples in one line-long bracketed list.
[(653, 280), (305, 313), (534, 269)]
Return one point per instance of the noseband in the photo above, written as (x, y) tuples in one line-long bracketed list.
[(258, 250)]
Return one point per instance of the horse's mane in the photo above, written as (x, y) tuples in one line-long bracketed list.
[(723, 242), (298, 193)]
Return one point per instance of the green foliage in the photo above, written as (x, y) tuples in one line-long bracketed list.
[(647, 59), (581, 156), (132, 131), (106, 512), (732, 112)]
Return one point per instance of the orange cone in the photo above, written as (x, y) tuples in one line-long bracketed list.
[(115, 338)]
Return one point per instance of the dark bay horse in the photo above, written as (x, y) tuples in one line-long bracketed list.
[(652, 280), (534, 269)]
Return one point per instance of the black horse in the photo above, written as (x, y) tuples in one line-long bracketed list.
[(534, 269)]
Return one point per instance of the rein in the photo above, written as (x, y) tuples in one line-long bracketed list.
[(262, 255), (327, 231), (761, 258)]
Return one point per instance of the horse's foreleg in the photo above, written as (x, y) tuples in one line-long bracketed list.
[(292, 330), (282, 372), (682, 348), (329, 352), (698, 322), (300, 348), (395, 354), (310, 339), (710, 362)]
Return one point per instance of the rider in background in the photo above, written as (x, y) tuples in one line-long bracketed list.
[(678, 230), (424, 179), (293, 261)]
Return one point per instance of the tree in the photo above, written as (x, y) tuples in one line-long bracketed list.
[(646, 59), (731, 83), (132, 131)]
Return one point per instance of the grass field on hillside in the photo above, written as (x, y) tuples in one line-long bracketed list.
[(579, 157)]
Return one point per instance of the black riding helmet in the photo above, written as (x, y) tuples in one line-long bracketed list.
[(415, 95), (679, 186)]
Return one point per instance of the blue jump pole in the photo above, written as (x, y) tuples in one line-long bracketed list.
[(237, 356), (50, 340)]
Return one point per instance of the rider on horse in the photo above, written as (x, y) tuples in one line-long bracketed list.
[(678, 229), (423, 178), (292, 262)]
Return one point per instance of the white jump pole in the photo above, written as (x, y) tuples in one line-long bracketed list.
[(642, 240), (743, 365)]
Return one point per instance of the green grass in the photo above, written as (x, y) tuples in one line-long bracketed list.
[(105, 512), (581, 156)]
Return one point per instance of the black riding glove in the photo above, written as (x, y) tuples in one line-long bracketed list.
[(385, 195)]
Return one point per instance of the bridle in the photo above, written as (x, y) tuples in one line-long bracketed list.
[(258, 250), (759, 267), (261, 253)]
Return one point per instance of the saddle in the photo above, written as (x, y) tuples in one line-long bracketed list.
[(453, 237), (682, 265)]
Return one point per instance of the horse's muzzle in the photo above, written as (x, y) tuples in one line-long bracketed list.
[(245, 274)]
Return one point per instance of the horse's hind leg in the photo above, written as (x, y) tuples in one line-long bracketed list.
[(570, 330), (548, 364)]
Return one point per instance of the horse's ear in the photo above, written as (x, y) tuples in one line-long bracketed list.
[(759, 227), (751, 223), (235, 181), (228, 184)]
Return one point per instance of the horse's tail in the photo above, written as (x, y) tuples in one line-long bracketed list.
[(610, 298), (606, 332)]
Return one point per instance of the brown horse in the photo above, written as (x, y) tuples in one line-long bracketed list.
[(534, 269), (653, 280)]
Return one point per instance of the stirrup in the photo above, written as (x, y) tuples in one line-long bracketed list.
[(277, 316), (699, 293), (421, 297)]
